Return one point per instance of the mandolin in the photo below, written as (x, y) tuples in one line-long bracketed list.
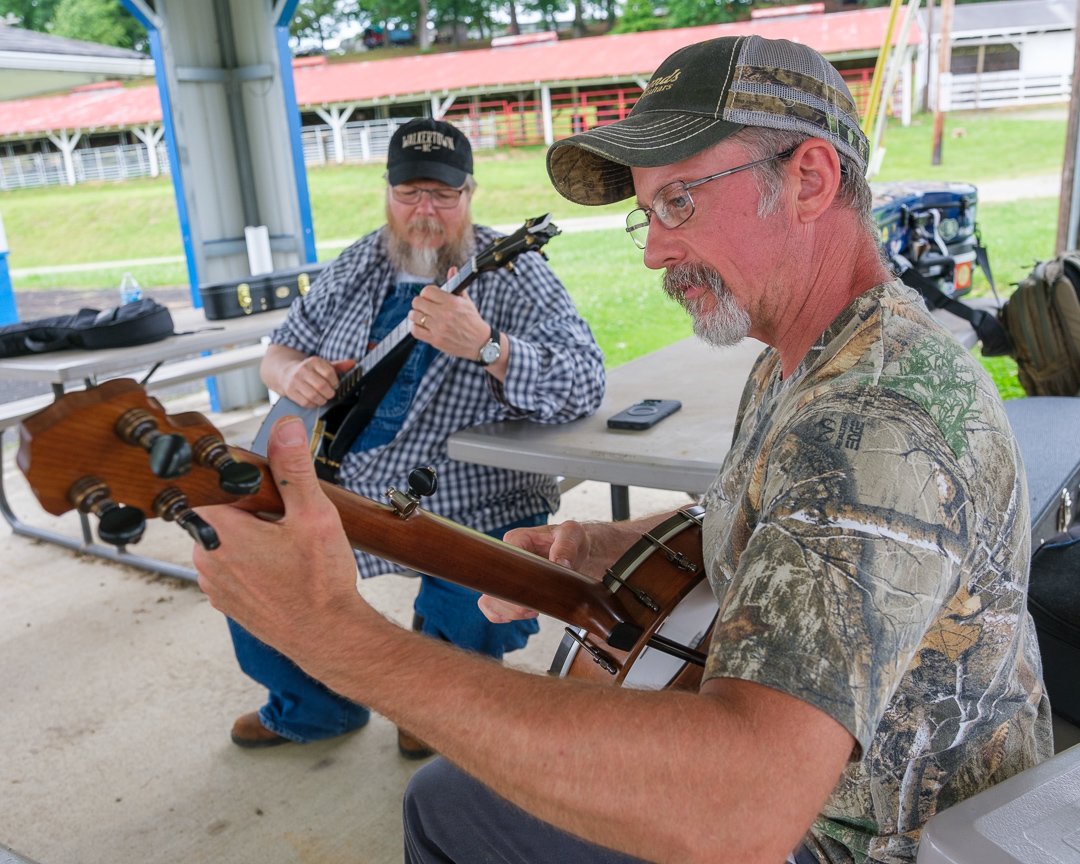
[(641, 625), (333, 427)]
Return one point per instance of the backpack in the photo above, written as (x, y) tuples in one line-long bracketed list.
[(1043, 320), (1039, 325), (134, 323)]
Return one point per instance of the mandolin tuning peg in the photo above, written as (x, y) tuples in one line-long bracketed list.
[(118, 525), (235, 478), (172, 506), (170, 455)]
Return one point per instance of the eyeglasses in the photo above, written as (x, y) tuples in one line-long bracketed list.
[(672, 204), (441, 197)]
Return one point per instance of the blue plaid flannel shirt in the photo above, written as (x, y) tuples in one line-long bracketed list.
[(556, 374)]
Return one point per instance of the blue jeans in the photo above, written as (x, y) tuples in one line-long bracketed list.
[(302, 709)]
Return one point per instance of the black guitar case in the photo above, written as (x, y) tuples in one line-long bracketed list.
[(1047, 429)]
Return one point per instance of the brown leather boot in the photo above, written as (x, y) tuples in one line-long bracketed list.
[(411, 747), (248, 731)]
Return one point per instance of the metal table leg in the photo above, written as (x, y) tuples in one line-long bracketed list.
[(86, 545), (620, 503)]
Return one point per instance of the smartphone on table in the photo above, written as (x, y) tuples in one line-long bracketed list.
[(644, 414)]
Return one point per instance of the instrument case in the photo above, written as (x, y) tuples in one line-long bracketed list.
[(253, 294), (1046, 428)]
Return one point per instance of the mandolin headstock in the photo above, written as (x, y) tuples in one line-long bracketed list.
[(530, 237)]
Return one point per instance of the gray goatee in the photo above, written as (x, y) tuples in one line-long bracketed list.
[(727, 324)]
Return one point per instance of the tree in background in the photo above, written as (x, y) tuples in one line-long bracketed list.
[(639, 15), (460, 16), (423, 36), (320, 20), (579, 19), (30, 14), (547, 10), (611, 12), (103, 21), (689, 13)]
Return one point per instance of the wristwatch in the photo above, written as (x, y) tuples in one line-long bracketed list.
[(491, 350)]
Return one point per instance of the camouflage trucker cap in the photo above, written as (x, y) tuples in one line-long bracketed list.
[(700, 95)]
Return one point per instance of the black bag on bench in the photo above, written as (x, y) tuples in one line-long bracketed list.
[(1046, 430), (134, 323)]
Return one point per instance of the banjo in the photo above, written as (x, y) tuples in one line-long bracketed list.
[(643, 625)]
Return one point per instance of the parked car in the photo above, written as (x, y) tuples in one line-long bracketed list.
[(373, 37), (376, 37)]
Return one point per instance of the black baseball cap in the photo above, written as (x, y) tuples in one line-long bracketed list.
[(699, 96), (427, 149)]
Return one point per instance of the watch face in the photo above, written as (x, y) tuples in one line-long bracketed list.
[(489, 353)]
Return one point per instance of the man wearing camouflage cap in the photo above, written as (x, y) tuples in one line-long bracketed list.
[(866, 539)]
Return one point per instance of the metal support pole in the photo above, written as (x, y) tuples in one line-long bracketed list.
[(9, 313)]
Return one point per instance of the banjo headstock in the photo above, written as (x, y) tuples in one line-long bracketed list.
[(113, 451)]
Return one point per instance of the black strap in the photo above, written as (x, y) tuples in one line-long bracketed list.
[(984, 263), (351, 415), (993, 336)]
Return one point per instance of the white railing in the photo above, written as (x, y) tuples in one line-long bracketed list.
[(31, 170), (369, 140), (122, 162), (1005, 89), (362, 141)]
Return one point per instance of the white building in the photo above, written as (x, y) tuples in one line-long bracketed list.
[(1013, 52)]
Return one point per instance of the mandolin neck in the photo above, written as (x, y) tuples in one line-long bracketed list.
[(454, 285), (438, 547)]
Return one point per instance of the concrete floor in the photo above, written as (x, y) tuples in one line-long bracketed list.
[(117, 692)]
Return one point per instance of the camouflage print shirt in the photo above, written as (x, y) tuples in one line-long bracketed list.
[(868, 540)]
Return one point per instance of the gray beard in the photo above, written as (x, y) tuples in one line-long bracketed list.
[(727, 324), (426, 261)]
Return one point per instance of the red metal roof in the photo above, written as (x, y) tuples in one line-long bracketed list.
[(618, 57), (105, 108)]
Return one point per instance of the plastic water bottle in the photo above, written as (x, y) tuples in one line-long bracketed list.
[(130, 290)]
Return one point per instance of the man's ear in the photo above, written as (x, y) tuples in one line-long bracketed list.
[(817, 172)]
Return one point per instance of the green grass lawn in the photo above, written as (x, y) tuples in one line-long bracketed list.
[(603, 270)]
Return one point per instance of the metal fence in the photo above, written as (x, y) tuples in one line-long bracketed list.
[(31, 170), (119, 162)]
